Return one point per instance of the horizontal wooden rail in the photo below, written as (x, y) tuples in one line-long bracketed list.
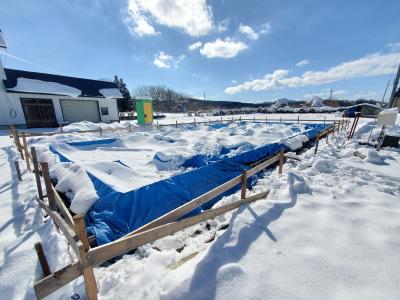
[(196, 202), (69, 233), (103, 253), (57, 280)]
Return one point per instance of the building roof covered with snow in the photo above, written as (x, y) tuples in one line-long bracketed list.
[(43, 83)]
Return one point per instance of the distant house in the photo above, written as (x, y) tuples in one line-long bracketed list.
[(34, 99), (366, 110)]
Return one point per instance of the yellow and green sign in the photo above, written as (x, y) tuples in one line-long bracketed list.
[(144, 110)]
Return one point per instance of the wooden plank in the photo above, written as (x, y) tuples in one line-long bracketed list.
[(103, 253), (36, 172), (68, 232), (63, 208), (47, 181), (263, 165), (88, 275), (57, 280), (26, 152), (42, 259), (18, 170)]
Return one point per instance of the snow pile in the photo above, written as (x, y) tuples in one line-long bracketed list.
[(73, 181), (45, 87), (87, 125), (111, 93), (316, 102), (375, 158)]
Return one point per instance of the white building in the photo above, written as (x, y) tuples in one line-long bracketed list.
[(31, 99)]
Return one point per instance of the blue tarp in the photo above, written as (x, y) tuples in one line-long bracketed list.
[(116, 214)]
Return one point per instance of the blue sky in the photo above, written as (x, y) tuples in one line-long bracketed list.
[(231, 50)]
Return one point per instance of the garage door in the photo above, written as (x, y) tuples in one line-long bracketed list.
[(80, 110)]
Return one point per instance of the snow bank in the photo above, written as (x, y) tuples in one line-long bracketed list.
[(45, 87)]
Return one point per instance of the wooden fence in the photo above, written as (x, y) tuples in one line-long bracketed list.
[(102, 130), (74, 229)]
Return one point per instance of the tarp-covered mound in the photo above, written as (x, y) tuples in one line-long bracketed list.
[(118, 213)]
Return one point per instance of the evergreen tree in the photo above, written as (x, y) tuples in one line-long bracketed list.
[(126, 103)]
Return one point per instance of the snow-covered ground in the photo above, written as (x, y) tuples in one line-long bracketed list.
[(329, 229)]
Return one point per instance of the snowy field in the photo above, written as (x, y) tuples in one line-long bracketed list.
[(329, 229)]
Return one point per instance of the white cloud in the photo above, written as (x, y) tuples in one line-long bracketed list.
[(195, 46), (303, 62), (226, 48), (370, 65), (251, 33), (165, 61), (192, 16)]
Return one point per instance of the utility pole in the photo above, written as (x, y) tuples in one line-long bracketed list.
[(394, 90), (384, 94)]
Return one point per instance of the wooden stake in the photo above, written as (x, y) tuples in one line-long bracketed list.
[(324, 120), (42, 259), (176, 123), (100, 131), (16, 140), (316, 145), (281, 157), (244, 185), (26, 153), (18, 170), (47, 182), (88, 274), (298, 119), (61, 128), (36, 171)]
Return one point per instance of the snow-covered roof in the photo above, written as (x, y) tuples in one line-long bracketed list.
[(111, 93), (43, 83)]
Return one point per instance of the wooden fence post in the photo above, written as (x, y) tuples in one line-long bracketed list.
[(316, 145), (26, 152), (36, 171), (16, 140), (281, 157), (18, 170), (244, 185), (61, 128), (298, 119), (176, 123), (42, 259), (324, 120), (100, 131), (47, 182), (88, 274)]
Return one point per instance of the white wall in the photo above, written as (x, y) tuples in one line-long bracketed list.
[(13, 100)]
